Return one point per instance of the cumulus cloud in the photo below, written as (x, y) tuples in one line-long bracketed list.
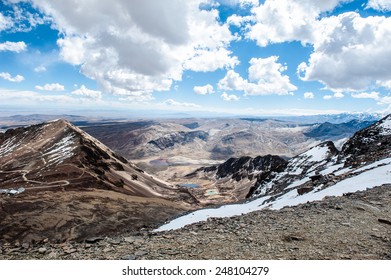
[(337, 95), (205, 60), (231, 97), (385, 84), (203, 90), (239, 21), (277, 21), (265, 75), (172, 102), (380, 5), (51, 87), (232, 81), (264, 78), (309, 95), (13, 46), (351, 53), (72, 49), (88, 93), (137, 46), (7, 76)]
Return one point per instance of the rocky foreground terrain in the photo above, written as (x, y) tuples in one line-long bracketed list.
[(354, 226)]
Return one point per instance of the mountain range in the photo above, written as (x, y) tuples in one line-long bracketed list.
[(363, 162), (67, 185)]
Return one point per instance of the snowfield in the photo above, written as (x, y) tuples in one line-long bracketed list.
[(379, 174)]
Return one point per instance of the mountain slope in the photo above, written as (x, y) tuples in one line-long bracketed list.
[(364, 162), (333, 131), (75, 186)]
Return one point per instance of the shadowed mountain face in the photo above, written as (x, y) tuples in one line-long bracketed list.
[(336, 131), (369, 144), (73, 182)]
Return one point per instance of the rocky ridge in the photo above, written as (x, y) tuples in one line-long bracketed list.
[(74, 186), (355, 226)]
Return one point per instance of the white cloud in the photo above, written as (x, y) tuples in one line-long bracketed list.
[(350, 53), (39, 69), (89, 93), (309, 95), (380, 5), (137, 46), (51, 87), (13, 46), (203, 90), (385, 84), (243, 4), (172, 102), (72, 49), (205, 60), (31, 97), (8, 77), (239, 21), (232, 81), (231, 97), (264, 78), (20, 17), (277, 21), (5, 22), (336, 95), (371, 95), (265, 75)]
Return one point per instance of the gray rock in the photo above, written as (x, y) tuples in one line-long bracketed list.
[(42, 250)]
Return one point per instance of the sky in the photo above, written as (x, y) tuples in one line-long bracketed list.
[(243, 57)]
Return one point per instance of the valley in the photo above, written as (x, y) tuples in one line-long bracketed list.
[(149, 177)]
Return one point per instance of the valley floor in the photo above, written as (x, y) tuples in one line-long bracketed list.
[(354, 226)]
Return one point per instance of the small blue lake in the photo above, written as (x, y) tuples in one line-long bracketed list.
[(189, 185)]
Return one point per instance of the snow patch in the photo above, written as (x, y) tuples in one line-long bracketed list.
[(61, 150), (386, 127), (317, 154), (331, 169), (8, 146)]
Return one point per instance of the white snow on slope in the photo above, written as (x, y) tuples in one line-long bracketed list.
[(61, 150), (386, 127), (368, 179), (317, 154), (8, 146), (332, 168)]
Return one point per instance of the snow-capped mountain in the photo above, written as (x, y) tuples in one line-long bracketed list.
[(364, 162)]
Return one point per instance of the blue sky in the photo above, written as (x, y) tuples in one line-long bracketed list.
[(295, 57)]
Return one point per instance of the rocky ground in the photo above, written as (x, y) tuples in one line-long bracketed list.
[(355, 226)]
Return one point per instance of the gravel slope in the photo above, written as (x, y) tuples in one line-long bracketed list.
[(355, 226)]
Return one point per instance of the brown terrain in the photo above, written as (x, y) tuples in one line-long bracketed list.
[(172, 148), (355, 226), (65, 195), (74, 186)]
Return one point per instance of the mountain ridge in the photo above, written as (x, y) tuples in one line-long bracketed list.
[(74, 186)]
